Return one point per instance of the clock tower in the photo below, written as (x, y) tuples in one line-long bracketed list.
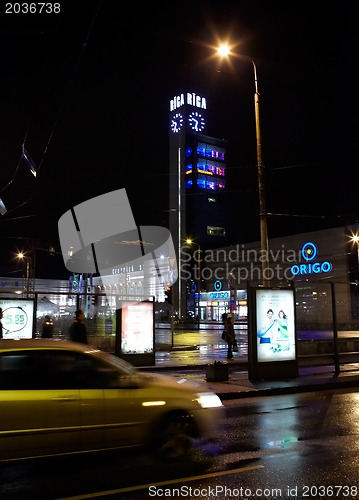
[(196, 185)]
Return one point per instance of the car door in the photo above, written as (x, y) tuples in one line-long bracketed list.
[(40, 411), (130, 409), (109, 404), (91, 378)]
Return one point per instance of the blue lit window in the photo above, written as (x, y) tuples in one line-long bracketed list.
[(213, 183), (188, 152), (188, 168), (189, 183), (210, 167), (210, 151)]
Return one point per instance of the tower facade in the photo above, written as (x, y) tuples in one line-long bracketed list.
[(197, 185)]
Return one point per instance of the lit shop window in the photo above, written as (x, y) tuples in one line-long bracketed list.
[(209, 167), (216, 231), (205, 182), (188, 168)]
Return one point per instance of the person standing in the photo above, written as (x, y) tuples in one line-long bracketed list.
[(47, 328), (78, 332), (229, 337)]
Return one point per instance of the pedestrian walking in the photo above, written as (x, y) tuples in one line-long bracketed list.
[(47, 328), (78, 332), (229, 337)]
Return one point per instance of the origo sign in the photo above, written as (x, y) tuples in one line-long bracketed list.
[(219, 295), (309, 253)]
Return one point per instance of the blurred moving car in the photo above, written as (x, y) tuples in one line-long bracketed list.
[(59, 397)]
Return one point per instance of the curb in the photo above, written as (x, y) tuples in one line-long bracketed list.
[(325, 385)]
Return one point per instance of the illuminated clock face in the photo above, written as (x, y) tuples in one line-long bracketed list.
[(196, 121), (176, 123)]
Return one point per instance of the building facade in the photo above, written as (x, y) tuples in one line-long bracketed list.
[(309, 262)]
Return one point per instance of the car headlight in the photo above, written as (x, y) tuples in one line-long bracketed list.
[(208, 400)]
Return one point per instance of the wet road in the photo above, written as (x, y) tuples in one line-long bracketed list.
[(287, 447)]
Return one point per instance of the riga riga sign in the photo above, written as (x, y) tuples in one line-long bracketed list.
[(190, 98)]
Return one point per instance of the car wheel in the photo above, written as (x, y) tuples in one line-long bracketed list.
[(174, 436)]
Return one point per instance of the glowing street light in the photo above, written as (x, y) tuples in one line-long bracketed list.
[(224, 51), (355, 240), (22, 256)]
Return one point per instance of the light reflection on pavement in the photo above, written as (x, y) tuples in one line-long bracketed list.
[(196, 347), (204, 345)]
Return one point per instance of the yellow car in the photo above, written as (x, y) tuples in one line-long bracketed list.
[(59, 397)]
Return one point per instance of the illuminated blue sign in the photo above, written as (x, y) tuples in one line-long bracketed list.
[(219, 295), (217, 285), (309, 252)]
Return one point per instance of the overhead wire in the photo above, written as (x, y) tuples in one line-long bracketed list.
[(62, 105), (35, 101)]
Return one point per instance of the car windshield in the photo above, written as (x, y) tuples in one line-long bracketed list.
[(117, 362)]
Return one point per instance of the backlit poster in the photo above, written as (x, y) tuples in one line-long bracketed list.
[(17, 321), (137, 328), (275, 324)]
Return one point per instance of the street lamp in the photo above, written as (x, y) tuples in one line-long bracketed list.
[(224, 51), (355, 239), (190, 242), (22, 256)]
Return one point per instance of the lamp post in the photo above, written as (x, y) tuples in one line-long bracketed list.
[(224, 51), (190, 242), (355, 239), (22, 256)]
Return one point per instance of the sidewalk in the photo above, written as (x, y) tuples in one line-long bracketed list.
[(190, 362)]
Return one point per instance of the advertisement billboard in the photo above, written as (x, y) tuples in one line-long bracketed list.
[(275, 325), (137, 328), (18, 318), (135, 339), (272, 339)]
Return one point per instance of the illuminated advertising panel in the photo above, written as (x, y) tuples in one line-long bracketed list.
[(18, 318), (137, 328), (275, 325)]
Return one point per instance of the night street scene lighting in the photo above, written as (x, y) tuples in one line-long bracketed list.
[(261, 205), (224, 51)]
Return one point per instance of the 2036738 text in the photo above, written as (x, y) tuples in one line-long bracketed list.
[(32, 8)]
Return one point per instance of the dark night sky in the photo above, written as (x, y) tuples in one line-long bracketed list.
[(93, 85)]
